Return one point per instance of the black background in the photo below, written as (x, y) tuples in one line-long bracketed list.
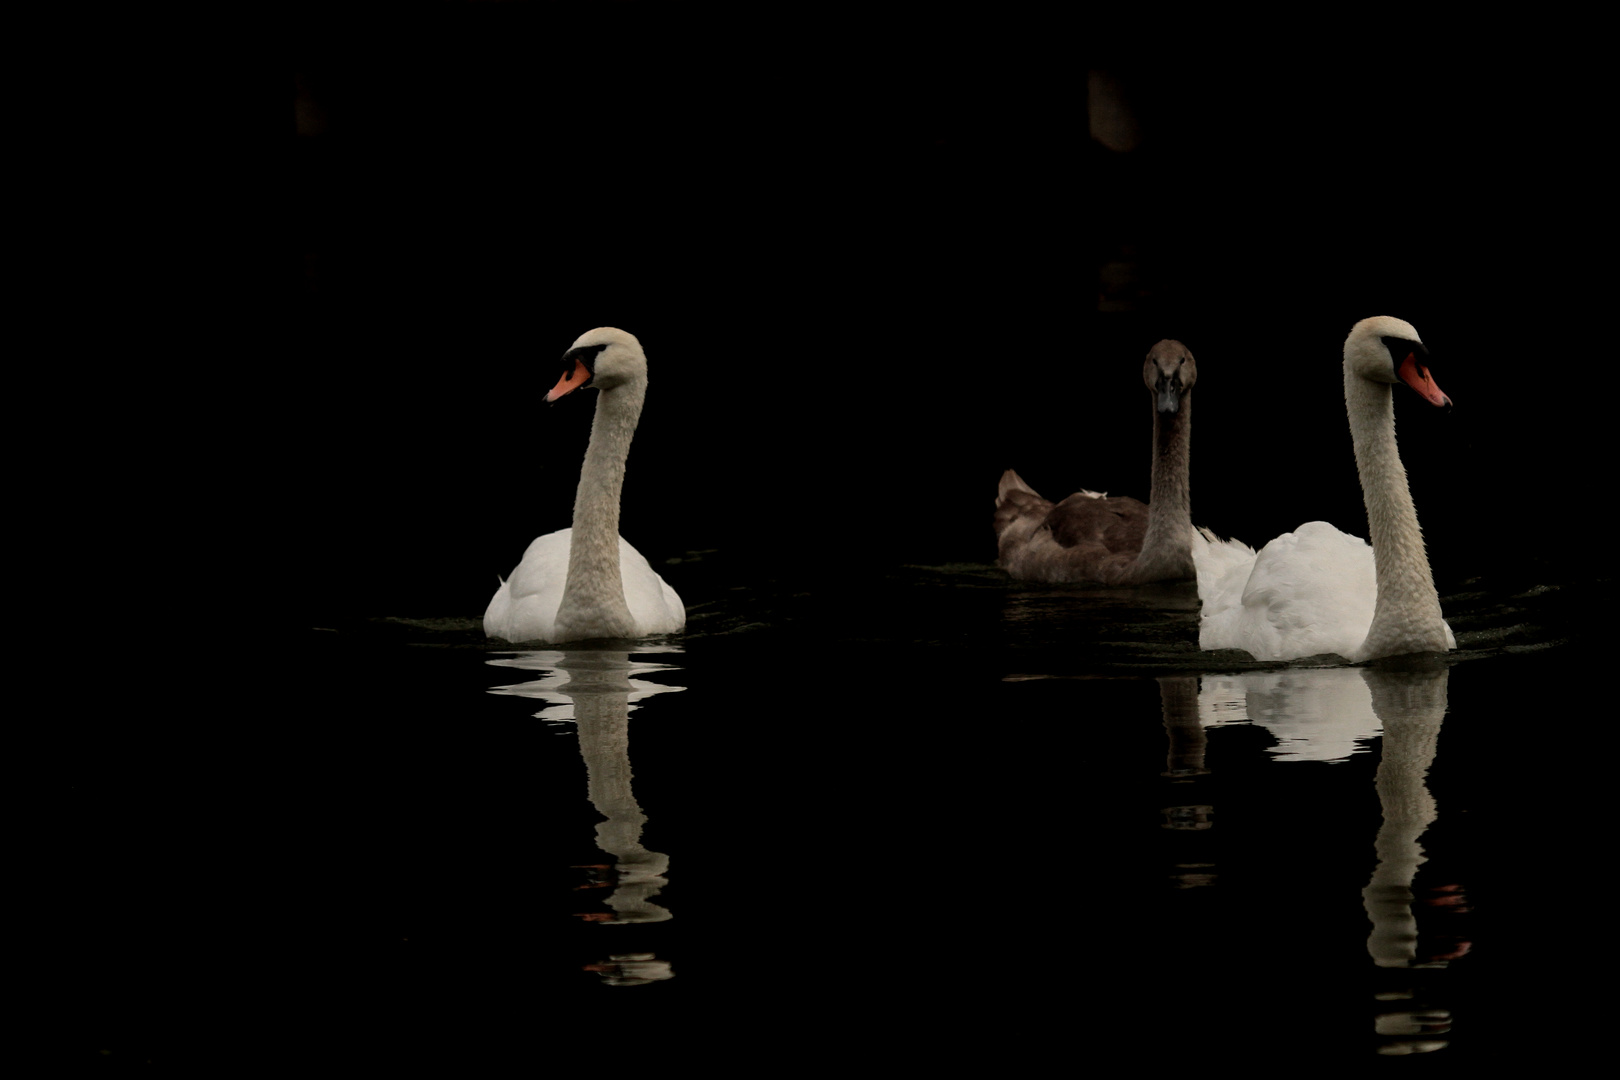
[(874, 265)]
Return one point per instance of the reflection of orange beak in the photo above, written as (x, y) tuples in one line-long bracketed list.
[(1418, 378), (571, 381)]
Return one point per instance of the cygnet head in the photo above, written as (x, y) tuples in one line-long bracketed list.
[(1387, 350), (602, 358), (1169, 372)]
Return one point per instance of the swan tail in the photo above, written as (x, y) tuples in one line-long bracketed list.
[(1011, 482), (1019, 510), (1211, 540), (1223, 569)]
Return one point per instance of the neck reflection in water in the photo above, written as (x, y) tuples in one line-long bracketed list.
[(1411, 702), (596, 690), (1325, 715)]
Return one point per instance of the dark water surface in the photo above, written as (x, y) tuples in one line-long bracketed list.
[(932, 813), (927, 816)]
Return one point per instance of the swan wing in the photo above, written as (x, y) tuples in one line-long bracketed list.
[(524, 608), (1307, 592), (1223, 569), (1078, 539), (1020, 511), (653, 604), (1085, 517)]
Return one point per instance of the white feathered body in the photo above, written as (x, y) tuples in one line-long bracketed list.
[(524, 608), (1307, 592)]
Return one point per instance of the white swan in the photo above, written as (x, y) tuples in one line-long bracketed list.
[(586, 582), (1318, 590), (1118, 541)]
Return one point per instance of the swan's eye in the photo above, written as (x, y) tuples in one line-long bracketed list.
[(1404, 347), (585, 355)]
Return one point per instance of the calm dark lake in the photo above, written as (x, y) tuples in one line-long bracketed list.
[(978, 819)]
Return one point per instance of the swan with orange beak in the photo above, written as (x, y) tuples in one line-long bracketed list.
[(587, 581), (1318, 590)]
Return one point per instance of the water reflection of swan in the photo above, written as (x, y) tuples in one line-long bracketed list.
[(1411, 704), (597, 690), (1316, 714), (1326, 715), (632, 969)]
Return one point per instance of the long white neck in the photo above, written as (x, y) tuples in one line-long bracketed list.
[(1406, 617), (1167, 544), (593, 598)]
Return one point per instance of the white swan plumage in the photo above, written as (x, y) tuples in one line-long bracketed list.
[(587, 581), (1318, 590), (1117, 541)]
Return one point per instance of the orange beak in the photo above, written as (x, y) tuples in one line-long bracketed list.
[(1418, 378), (571, 381)]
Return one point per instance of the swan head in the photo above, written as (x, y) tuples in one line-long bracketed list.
[(604, 358), (1169, 372), (1387, 350)]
